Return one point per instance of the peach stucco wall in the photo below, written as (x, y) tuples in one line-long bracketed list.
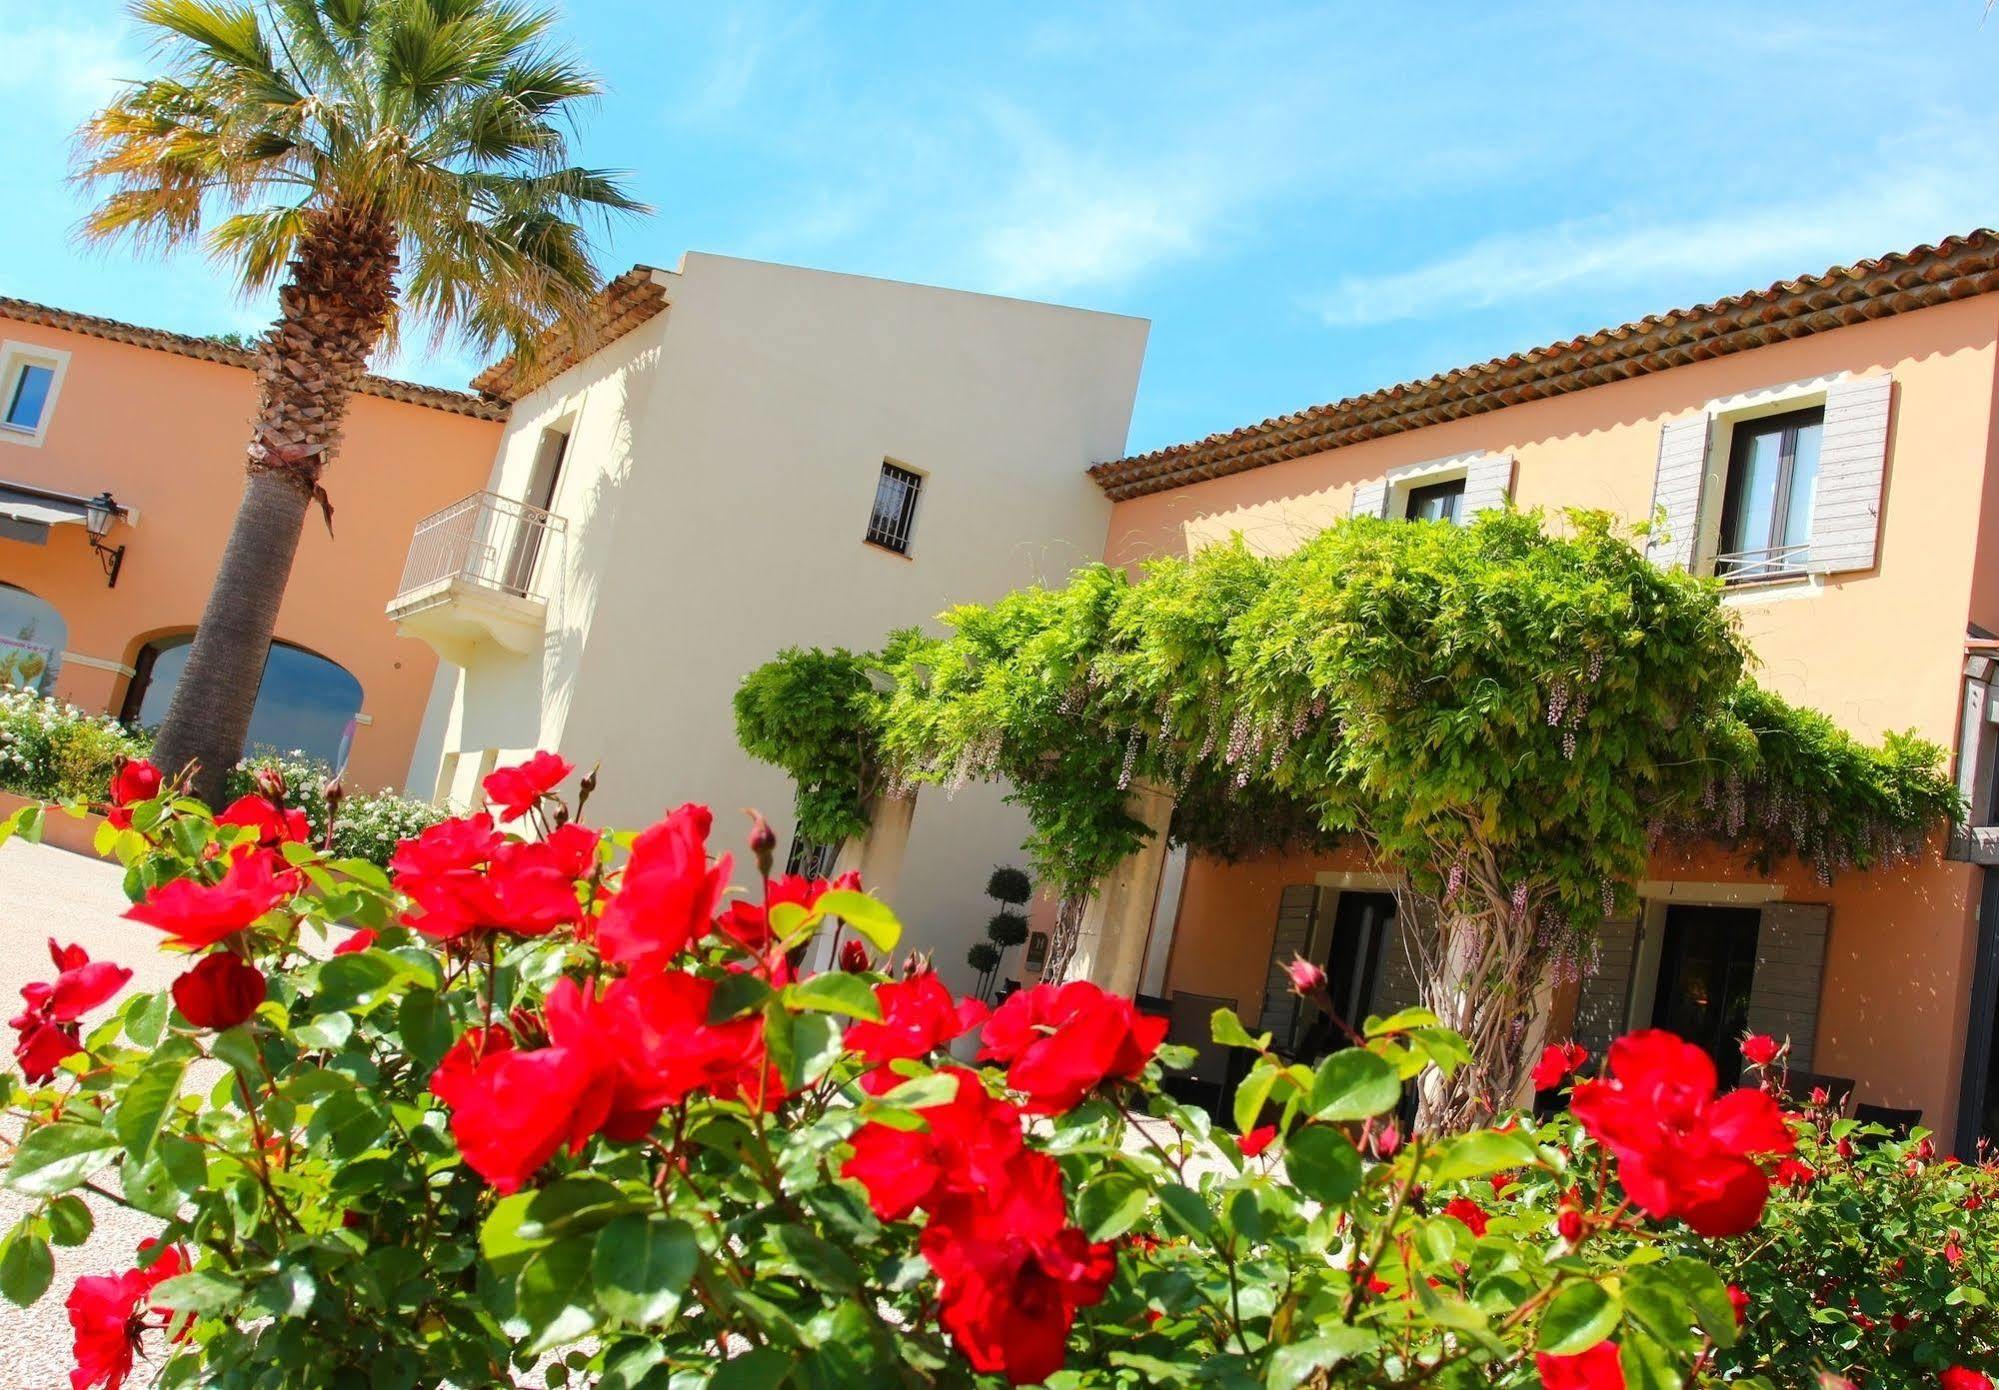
[(165, 434), (1878, 650)]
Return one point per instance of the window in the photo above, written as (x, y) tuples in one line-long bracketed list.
[(810, 859), (1766, 511), (32, 636), (305, 702), (28, 395), (895, 508), (1436, 502)]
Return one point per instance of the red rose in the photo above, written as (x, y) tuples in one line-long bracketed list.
[(1681, 1150), (1469, 1212), (1257, 1140), (196, 914), (1792, 1173), (220, 992), (106, 1318), (1011, 1272), (1570, 1226), (361, 940), (654, 1026), (1760, 1049), (968, 1144), (1964, 1378), (518, 790), (50, 1027), (1739, 1301), (918, 1017), (514, 1110), (273, 823), (668, 893), (854, 958), (1059, 1042), (134, 780), (1558, 1062), (466, 876), (1595, 1369), (1306, 977)]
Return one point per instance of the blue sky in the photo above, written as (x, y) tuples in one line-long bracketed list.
[(1305, 200)]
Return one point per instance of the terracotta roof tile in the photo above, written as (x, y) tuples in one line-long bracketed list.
[(1956, 268), (214, 350), (626, 302)]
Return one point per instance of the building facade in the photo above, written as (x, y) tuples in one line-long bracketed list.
[(740, 458), (1827, 448), (138, 433)]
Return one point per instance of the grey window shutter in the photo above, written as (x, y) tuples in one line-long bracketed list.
[(1488, 483), (1603, 1002), (1853, 455), (1790, 965), (1297, 907), (1676, 491), (1395, 984), (1370, 499)]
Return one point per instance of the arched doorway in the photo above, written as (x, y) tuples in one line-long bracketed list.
[(32, 638), (305, 703)]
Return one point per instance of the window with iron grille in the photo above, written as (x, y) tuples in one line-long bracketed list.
[(895, 508), (810, 859)]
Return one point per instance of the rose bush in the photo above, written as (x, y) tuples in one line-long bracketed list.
[(544, 1105)]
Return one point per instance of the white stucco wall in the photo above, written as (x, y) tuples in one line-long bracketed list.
[(721, 469)]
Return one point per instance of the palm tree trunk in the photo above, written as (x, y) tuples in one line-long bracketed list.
[(332, 313)]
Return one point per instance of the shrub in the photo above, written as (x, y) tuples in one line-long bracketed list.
[(54, 750), (368, 825), (540, 1106)]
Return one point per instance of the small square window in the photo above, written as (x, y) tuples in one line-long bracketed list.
[(1437, 502), (28, 396), (1766, 509), (894, 515)]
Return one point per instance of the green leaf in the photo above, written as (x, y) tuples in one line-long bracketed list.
[(835, 991), (347, 1122), (360, 980), (1226, 1028), (1323, 1163), (817, 1259), (26, 1267), (867, 915), (1481, 1152), (1353, 1085), (149, 1098), (1707, 1293), (1110, 1205), (1254, 1092), (425, 1025), (736, 994), (802, 1045), (146, 1018), (328, 1032), (70, 1221), (1186, 1210), (553, 1295), (55, 1158), (641, 1265), (1577, 1318), (201, 1292)]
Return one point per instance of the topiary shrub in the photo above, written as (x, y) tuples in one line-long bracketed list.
[(1009, 885)]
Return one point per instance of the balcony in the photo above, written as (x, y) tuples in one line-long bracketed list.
[(1763, 566), (479, 572)]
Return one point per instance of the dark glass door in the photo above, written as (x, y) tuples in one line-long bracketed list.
[(1706, 963), (1352, 958)]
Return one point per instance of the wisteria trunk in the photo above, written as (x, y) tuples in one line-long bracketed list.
[(1484, 974)]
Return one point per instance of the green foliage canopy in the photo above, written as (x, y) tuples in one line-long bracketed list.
[(1546, 700)]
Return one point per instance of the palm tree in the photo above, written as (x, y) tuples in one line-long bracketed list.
[(378, 160)]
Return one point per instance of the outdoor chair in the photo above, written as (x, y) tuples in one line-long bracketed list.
[(1188, 1025), (1896, 1121)]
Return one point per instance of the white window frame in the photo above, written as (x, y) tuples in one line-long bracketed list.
[(1406, 479), (14, 355), (1724, 413)]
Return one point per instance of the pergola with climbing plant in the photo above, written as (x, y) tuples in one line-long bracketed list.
[(1512, 716)]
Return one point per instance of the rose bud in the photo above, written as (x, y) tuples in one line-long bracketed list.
[(763, 841), (1569, 1224), (1306, 977), (1760, 1049), (270, 784), (220, 992), (1387, 1141), (854, 958), (334, 792)]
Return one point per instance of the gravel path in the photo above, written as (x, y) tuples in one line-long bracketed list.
[(48, 892)]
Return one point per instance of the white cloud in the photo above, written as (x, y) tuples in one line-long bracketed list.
[(1944, 192)]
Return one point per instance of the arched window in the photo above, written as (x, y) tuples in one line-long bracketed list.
[(305, 703), (32, 636)]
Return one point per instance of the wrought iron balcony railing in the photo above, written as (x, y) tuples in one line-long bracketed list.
[(485, 539)]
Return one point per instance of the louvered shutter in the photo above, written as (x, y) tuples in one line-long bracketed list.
[(1297, 907), (1790, 966), (1853, 456), (1603, 1002), (1396, 986), (1488, 483), (1676, 492), (1370, 499)]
